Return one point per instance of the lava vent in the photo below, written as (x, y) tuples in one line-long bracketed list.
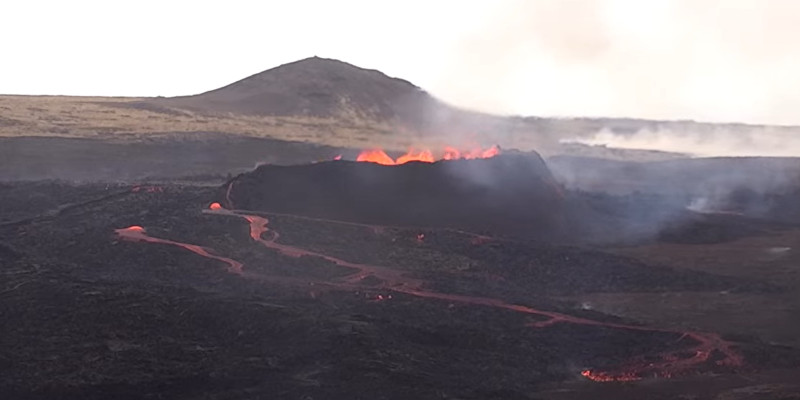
[(513, 195)]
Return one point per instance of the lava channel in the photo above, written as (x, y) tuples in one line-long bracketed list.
[(671, 363), (138, 234)]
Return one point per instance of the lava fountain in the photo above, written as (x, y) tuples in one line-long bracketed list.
[(379, 156)]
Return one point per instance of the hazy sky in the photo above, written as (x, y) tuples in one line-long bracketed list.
[(731, 60)]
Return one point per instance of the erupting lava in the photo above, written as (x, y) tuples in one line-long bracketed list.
[(706, 347), (378, 156)]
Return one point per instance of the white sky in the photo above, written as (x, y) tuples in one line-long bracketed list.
[(717, 60)]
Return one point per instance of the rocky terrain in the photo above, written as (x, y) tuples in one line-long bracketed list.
[(229, 245)]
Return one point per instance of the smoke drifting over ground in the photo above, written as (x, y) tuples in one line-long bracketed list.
[(705, 200), (723, 140)]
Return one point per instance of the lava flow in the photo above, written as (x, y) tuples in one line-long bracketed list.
[(258, 227), (379, 156), (672, 362), (136, 233), (668, 364)]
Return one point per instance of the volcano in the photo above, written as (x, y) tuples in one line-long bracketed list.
[(508, 195)]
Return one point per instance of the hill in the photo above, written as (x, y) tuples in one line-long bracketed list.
[(320, 87)]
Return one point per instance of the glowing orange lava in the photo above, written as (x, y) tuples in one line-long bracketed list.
[(379, 156), (412, 155), (665, 364), (605, 377), (136, 233), (375, 156), (451, 153)]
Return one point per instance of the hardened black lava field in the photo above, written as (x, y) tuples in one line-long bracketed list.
[(250, 290)]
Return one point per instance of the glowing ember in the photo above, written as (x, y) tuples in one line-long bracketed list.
[(381, 297), (604, 377), (337, 158), (215, 206), (378, 156)]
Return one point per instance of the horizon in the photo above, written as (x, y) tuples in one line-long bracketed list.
[(556, 117), (664, 60)]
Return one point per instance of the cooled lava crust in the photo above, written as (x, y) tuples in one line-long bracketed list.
[(513, 195)]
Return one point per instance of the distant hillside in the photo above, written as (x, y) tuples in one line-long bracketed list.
[(335, 92), (320, 87)]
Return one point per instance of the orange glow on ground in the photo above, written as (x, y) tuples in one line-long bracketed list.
[(215, 206), (666, 364)]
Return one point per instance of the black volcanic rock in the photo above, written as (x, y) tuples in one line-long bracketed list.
[(509, 194), (317, 87)]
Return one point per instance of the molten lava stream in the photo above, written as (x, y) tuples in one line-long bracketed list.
[(259, 226), (672, 363), (391, 277), (137, 234)]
